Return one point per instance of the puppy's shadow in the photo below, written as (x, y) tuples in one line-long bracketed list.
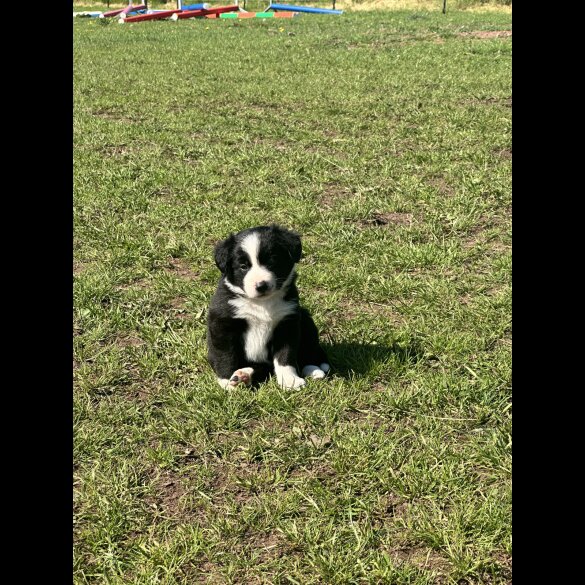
[(349, 358)]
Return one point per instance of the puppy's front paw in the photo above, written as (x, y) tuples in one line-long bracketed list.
[(287, 376), (241, 376), (313, 372), (291, 382)]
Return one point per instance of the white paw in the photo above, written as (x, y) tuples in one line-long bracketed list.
[(313, 372), (291, 382), (287, 376), (241, 376)]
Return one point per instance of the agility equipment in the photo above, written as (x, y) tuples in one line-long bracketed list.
[(112, 13), (259, 15), (248, 15), (123, 12), (203, 6), (193, 11), (208, 13), (154, 16), (303, 9), (132, 10)]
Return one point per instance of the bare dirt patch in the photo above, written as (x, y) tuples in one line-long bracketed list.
[(179, 267), (170, 491), (504, 560), (129, 341), (176, 306), (368, 419), (168, 498), (490, 101), (331, 134), (229, 479), (144, 393), (332, 193), (505, 153), (78, 267), (162, 192), (349, 309), (388, 312), (206, 572), (268, 545), (395, 506), (423, 558), (498, 247), (117, 116), (465, 299), (482, 233), (318, 469), (441, 185), (138, 284), (476, 234), (388, 218), (279, 144), (392, 41), (498, 101), (487, 34), (115, 150)]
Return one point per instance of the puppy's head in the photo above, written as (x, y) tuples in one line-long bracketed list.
[(259, 261)]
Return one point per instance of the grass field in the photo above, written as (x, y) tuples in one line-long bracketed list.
[(384, 138)]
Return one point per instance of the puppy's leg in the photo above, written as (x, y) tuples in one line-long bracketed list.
[(249, 375), (285, 342), (225, 353), (287, 375), (241, 376), (312, 357), (229, 371), (314, 372)]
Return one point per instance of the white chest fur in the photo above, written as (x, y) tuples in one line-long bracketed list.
[(262, 317)]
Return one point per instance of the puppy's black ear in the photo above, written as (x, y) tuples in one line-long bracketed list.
[(223, 251), (292, 242)]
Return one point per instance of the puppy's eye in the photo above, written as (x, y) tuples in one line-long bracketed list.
[(243, 267)]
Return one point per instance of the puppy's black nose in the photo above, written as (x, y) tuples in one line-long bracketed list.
[(262, 286)]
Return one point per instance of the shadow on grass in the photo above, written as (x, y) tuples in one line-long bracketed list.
[(350, 357)]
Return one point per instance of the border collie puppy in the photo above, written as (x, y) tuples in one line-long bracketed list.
[(255, 325)]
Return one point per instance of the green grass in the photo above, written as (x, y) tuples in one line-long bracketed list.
[(384, 139)]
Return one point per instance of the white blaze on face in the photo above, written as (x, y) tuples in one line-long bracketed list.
[(257, 273)]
